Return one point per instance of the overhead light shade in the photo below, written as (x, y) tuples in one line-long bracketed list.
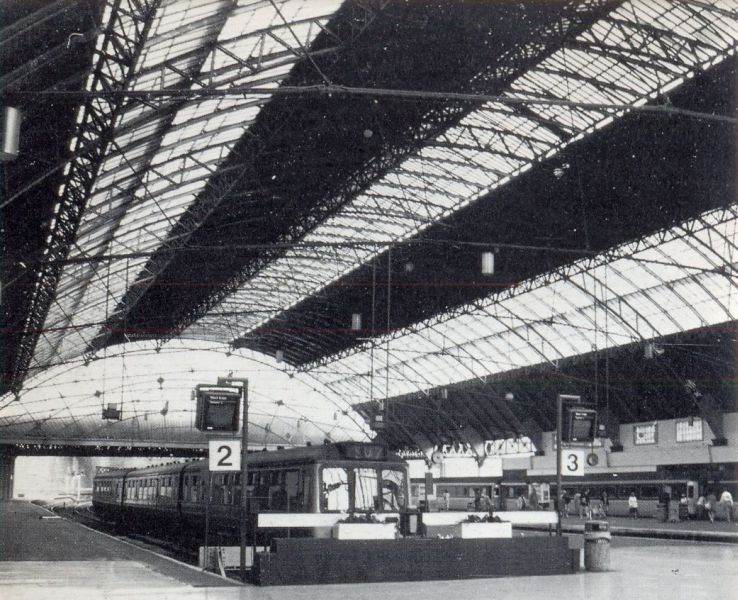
[(279, 355), (488, 263), (356, 322), (10, 133)]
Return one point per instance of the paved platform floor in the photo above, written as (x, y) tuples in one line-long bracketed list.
[(64, 560), (688, 529)]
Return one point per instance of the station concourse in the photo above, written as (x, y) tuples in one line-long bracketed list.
[(386, 297)]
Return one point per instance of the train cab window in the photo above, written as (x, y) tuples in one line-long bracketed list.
[(335, 489), (393, 489), (365, 485)]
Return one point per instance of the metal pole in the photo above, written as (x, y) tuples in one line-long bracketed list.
[(207, 519), (244, 473), (559, 411)]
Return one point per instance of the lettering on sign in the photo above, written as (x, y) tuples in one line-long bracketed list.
[(572, 463)]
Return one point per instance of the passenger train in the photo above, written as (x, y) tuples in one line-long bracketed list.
[(345, 477), (651, 488)]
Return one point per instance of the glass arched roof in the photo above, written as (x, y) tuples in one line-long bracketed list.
[(674, 281), (162, 156), (152, 388), (163, 153), (619, 61)]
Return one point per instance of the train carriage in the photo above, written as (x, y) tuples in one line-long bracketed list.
[(347, 477), (652, 489)]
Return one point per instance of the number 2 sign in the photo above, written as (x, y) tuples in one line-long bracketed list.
[(224, 455), (572, 462)]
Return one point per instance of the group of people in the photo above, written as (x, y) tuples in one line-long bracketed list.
[(588, 507), (706, 506)]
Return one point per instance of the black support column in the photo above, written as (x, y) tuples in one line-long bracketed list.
[(7, 467)]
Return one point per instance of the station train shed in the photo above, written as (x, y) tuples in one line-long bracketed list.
[(441, 213)]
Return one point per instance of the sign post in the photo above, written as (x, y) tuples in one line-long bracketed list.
[(244, 457), (559, 418)]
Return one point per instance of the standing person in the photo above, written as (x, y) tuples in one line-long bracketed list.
[(726, 501), (701, 513), (710, 506), (565, 499), (446, 500), (633, 505), (533, 499), (605, 502), (584, 502), (485, 504)]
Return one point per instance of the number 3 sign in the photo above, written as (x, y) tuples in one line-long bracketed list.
[(572, 462), (225, 455)]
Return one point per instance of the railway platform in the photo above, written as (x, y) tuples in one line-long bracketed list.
[(60, 559), (718, 531)]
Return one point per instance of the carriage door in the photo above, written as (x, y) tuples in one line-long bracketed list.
[(692, 495)]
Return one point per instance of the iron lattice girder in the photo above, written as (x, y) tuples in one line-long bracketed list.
[(509, 64), (197, 214), (165, 113), (94, 134), (567, 272), (637, 49)]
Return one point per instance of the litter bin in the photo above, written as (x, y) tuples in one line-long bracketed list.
[(662, 512), (596, 545)]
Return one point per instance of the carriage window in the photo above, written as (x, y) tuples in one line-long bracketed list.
[(335, 492), (227, 489), (237, 488), (648, 492), (277, 494), (306, 492), (294, 493), (393, 490), (260, 490)]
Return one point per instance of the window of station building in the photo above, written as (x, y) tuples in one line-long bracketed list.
[(689, 430), (645, 434)]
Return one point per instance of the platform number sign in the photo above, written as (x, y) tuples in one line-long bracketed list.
[(224, 455), (572, 463)]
